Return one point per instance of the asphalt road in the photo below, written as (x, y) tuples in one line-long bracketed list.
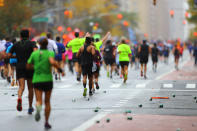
[(71, 111)]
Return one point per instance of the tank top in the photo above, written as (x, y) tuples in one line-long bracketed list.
[(144, 50), (86, 57), (154, 51)]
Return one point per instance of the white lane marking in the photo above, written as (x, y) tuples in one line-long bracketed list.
[(115, 106), (65, 86), (115, 86), (140, 85), (124, 100), (90, 122), (118, 104), (108, 111), (167, 85), (191, 86)]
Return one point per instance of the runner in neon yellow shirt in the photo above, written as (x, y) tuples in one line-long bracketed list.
[(124, 58), (99, 43)]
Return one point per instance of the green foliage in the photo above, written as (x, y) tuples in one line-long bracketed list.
[(193, 19), (103, 12), (14, 15)]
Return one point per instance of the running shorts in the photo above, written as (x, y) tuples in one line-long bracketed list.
[(154, 58), (6, 61), (24, 73), (143, 60), (75, 59), (87, 70), (124, 63), (109, 61), (43, 86)]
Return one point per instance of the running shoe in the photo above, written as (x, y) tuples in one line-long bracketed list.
[(47, 125), (93, 90), (110, 76), (78, 78), (38, 110), (145, 77), (19, 104), (97, 86), (56, 77), (8, 79), (121, 76), (90, 93), (30, 110), (85, 92)]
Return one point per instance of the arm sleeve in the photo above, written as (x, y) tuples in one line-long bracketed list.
[(8, 49), (30, 60)]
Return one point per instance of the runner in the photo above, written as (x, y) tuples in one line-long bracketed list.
[(124, 58), (176, 56), (69, 55), (2, 56), (132, 56), (136, 47), (155, 53), (166, 54), (96, 68), (195, 54), (86, 53), (58, 56), (99, 43), (41, 61), (109, 57), (12, 66), (7, 60), (51, 43), (75, 45), (143, 54), (23, 50)]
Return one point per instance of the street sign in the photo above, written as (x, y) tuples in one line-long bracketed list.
[(40, 19)]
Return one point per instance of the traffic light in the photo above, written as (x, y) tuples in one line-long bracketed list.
[(1, 3), (154, 2)]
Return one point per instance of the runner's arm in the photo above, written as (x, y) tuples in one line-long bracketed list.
[(105, 37), (56, 65)]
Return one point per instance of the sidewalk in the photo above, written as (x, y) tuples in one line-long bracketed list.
[(119, 122), (187, 72)]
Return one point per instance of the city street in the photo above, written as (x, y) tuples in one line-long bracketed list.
[(72, 112)]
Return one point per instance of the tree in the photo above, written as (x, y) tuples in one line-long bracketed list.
[(13, 15), (193, 19), (103, 12)]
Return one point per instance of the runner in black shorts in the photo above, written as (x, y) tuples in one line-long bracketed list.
[(86, 54), (155, 53), (144, 54), (23, 50), (109, 57)]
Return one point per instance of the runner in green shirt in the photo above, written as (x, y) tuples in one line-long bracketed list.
[(41, 61), (75, 45), (99, 43), (124, 58)]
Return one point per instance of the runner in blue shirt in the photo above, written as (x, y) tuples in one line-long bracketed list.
[(58, 56)]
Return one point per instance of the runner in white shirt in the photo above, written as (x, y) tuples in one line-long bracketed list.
[(51, 44)]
